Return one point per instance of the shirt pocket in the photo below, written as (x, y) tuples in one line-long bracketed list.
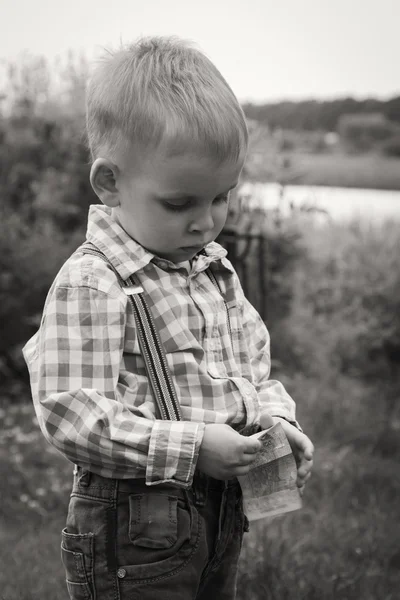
[(235, 311)]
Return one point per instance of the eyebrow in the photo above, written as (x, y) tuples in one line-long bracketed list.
[(183, 196)]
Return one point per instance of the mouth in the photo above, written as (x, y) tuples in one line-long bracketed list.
[(193, 248)]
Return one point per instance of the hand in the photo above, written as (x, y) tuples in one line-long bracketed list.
[(224, 453), (302, 447)]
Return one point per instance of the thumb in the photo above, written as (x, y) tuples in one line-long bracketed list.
[(266, 421), (253, 445)]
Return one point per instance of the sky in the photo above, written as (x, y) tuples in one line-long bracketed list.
[(267, 50)]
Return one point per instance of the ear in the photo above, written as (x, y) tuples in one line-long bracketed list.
[(103, 179)]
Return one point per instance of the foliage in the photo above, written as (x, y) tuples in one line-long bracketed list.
[(313, 115), (392, 146), (354, 293), (30, 256), (264, 250), (45, 194), (362, 132)]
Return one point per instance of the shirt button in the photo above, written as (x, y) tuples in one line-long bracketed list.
[(121, 573)]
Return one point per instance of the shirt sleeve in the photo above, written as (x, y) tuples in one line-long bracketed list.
[(272, 395), (79, 406)]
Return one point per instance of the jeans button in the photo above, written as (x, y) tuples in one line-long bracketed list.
[(121, 573)]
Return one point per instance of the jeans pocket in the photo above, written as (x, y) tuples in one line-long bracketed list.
[(153, 520), (158, 533), (77, 557)]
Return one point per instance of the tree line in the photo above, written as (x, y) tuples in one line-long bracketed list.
[(313, 115)]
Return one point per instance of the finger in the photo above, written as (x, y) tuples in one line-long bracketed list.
[(266, 421), (242, 470), (304, 468), (246, 460), (252, 446), (302, 479), (303, 457), (308, 448), (302, 443)]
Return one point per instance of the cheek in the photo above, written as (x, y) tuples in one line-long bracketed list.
[(168, 225), (220, 216)]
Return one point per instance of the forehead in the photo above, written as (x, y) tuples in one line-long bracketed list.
[(191, 170)]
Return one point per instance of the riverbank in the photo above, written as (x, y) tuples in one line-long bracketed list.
[(337, 203), (364, 171), (367, 171)]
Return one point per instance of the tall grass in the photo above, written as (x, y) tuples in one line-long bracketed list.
[(340, 345)]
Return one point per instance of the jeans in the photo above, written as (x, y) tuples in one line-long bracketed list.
[(127, 541)]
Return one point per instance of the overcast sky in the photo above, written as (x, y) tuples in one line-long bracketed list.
[(265, 49)]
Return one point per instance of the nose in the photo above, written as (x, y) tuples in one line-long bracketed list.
[(204, 221)]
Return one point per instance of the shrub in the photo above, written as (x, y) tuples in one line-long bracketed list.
[(392, 147), (30, 256), (347, 302)]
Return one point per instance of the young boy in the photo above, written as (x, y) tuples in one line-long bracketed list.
[(156, 510)]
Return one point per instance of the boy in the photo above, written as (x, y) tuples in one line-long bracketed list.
[(156, 510)]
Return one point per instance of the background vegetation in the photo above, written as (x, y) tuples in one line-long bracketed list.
[(331, 301)]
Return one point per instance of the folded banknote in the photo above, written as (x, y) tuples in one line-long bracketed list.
[(270, 488)]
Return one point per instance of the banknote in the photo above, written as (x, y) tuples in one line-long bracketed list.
[(270, 488)]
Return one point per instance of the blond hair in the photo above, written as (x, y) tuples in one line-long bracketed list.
[(163, 88)]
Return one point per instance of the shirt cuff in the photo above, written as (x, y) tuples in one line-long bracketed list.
[(173, 452), (291, 421)]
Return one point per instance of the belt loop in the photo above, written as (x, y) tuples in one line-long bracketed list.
[(85, 477), (200, 488)]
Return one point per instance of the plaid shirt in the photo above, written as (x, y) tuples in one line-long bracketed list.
[(89, 385)]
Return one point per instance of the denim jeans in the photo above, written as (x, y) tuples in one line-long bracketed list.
[(127, 541)]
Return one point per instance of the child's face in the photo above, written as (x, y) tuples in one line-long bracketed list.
[(174, 205)]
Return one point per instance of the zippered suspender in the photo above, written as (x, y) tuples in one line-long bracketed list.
[(149, 342)]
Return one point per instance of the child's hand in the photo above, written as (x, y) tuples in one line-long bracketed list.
[(301, 445), (224, 453)]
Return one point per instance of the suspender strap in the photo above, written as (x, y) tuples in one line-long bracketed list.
[(149, 342)]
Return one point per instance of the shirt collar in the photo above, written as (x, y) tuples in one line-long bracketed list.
[(128, 257)]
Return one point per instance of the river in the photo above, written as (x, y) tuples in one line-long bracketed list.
[(327, 202)]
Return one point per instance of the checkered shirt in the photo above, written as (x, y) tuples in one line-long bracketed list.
[(89, 385)]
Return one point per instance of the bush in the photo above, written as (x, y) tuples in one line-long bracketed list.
[(264, 250), (392, 147), (30, 256), (345, 315)]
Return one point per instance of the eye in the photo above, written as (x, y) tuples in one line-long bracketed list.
[(176, 207), (221, 199), (171, 206)]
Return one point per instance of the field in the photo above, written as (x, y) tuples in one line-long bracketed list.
[(344, 543), (366, 171), (337, 169)]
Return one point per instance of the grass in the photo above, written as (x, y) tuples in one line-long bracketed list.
[(32, 510), (366, 171), (343, 544)]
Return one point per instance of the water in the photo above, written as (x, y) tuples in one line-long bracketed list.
[(327, 202)]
